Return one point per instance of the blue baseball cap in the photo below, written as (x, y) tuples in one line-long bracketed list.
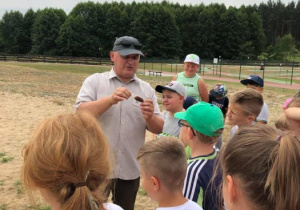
[(253, 78)]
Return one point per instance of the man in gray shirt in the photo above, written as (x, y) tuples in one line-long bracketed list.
[(124, 120)]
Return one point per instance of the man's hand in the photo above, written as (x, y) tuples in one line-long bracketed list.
[(120, 94), (147, 109)]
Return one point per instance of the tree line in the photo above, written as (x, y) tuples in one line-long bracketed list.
[(166, 30)]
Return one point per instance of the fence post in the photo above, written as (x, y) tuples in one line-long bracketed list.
[(200, 66), (203, 69), (171, 65), (264, 69), (4, 57), (240, 70), (161, 66), (292, 72), (144, 67), (221, 66)]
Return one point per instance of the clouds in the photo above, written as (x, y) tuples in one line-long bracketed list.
[(68, 5)]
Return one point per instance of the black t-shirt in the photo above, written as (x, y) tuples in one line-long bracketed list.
[(222, 103)]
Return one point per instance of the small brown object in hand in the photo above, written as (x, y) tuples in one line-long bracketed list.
[(139, 99)]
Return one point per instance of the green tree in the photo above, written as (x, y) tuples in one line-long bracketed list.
[(46, 30), (74, 39), (284, 48), (28, 22), (11, 32), (155, 27)]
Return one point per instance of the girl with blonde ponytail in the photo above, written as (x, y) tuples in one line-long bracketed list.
[(68, 161), (261, 170)]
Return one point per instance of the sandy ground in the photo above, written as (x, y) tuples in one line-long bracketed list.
[(19, 114), (27, 97)]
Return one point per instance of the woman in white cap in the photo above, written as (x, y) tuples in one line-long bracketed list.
[(195, 85)]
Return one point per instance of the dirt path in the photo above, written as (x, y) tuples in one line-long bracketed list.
[(267, 84)]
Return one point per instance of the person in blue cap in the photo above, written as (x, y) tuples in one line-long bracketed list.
[(255, 82)]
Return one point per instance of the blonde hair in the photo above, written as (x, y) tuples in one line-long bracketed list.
[(208, 139), (165, 159), (250, 100), (267, 164), (66, 151), (281, 123)]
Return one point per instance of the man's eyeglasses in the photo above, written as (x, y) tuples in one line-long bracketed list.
[(128, 44), (181, 124)]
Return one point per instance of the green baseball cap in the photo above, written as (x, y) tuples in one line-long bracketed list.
[(203, 117)]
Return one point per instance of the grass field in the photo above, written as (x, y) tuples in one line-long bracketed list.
[(31, 92)]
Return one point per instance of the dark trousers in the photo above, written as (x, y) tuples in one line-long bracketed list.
[(124, 192)]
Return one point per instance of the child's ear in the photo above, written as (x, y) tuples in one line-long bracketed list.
[(232, 186), (181, 98), (155, 183), (190, 133), (251, 118)]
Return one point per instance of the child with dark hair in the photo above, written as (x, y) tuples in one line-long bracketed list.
[(217, 96)]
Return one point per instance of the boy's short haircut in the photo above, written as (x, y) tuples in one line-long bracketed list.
[(250, 100), (206, 119), (165, 159)]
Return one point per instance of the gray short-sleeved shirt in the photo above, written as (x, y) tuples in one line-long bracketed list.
[(123, 123), (264, 114)]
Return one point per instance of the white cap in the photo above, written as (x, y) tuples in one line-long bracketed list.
[(175, 86), (192, 58)]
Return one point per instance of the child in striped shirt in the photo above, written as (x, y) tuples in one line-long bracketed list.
[(202, 124)]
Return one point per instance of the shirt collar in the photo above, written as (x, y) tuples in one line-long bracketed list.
[(112, 74)]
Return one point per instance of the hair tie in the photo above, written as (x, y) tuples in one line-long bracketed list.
[(81, 184), (278, 138)]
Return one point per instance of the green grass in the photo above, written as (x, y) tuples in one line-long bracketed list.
[(18, 186), (5, 158), (2, 182), (39, 207), (62, 67), (3, 206)]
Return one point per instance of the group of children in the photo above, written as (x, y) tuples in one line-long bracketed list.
[(182, 169)]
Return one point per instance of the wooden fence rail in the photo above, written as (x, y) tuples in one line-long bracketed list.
[(56, 59)]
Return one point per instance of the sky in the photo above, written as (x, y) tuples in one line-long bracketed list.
[(68, 5)]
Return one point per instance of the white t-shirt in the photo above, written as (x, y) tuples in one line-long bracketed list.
[(264, 114), (189, 205), (112, 206), (233, 131)]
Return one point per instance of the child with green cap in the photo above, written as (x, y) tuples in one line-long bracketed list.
[(202, 124)]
